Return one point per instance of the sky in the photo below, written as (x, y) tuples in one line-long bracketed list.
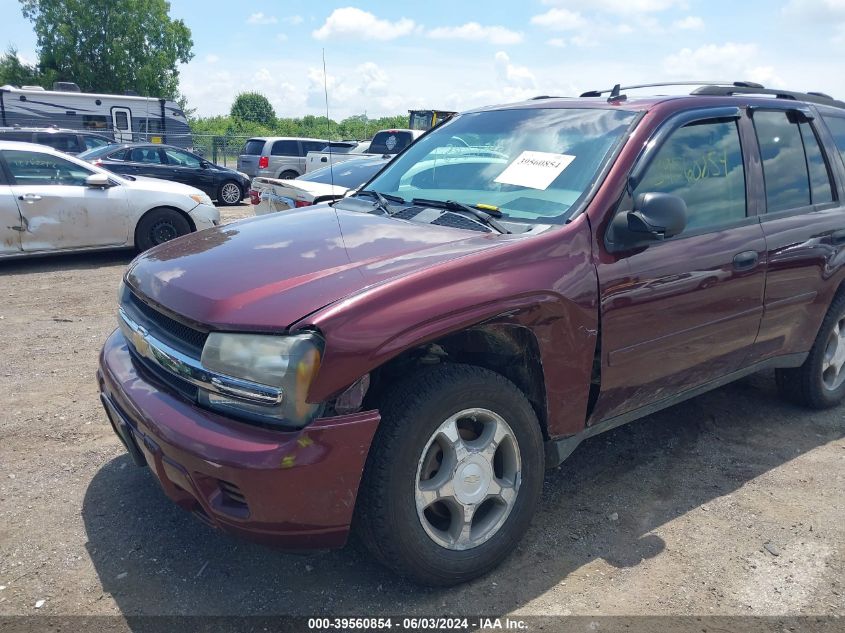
[(385, 57)]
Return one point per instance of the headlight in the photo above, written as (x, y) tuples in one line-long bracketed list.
[(201, 198), (288, 363)]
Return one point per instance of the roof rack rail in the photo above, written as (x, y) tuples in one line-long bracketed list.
[(737, 84), (811, 97)]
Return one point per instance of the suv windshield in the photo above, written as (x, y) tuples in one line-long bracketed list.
[(534, 164)]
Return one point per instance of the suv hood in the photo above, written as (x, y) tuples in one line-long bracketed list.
[(266, 273)]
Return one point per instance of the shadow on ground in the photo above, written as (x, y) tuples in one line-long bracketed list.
[(63, 262), (156, 559)]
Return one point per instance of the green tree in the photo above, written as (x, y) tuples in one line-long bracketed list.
[(253, 107), (14, 72), (108, 46)]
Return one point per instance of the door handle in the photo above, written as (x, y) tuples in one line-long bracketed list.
[(29, 197), (324, 160), (745, 260), (837, 238)]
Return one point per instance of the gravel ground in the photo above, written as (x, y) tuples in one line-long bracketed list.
[(729, 504)]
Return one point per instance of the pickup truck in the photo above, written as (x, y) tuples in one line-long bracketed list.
[(407, 361), (384, 142)]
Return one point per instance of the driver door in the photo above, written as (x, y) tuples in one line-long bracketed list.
[(684, 311), (58, 210)]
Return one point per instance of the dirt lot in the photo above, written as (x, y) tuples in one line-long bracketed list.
[(729, 504)]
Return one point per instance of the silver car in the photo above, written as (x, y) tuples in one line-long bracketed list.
[(277, 156)]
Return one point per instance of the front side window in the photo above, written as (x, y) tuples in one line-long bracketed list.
[(182, 159), (535, 164), (35, 168), (702, 163)]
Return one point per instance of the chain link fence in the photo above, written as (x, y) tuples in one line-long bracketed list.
[(222, 150)]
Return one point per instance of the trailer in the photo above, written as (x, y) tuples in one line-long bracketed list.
[(126, 118)]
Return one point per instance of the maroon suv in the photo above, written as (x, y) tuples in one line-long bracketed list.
[(408, 361)]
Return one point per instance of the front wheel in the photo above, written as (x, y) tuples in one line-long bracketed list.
[(159, 226), (229, 194), (820, 382), (453, 477)]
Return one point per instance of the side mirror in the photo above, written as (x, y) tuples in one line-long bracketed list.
[(204, 164), (98, 181), (655, 217)]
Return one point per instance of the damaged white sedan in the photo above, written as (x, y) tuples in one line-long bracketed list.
[(50, 202)]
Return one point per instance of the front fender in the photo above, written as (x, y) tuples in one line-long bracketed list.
[(546, 283)]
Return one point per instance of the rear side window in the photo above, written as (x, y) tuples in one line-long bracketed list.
[(836, 125), (390, 142), (61, 142), (254, 147), (793, 165), (285, 148), (821, 190), (149, 156), (702, 163)]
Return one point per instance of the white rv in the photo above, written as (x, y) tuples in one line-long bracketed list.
[(127, 118)]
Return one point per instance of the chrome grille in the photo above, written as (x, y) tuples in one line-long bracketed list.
[(176, 334)]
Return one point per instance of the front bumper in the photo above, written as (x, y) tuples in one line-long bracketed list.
[(294, 489), (205, 216)]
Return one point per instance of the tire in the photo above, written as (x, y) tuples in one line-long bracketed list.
[(420, 538), (159, 226), (288, 174), (816, 384), (229, 193)]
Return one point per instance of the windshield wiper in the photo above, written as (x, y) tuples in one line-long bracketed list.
[(453, 205), (382, 201)]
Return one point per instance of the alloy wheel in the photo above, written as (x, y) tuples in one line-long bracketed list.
[(833, 360), (468, 478)]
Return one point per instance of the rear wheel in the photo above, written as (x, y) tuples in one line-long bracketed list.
[(229, 193), (288, 175), (159, 226), (820, 382), (453, 477)]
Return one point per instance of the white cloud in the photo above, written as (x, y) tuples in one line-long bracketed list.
[(689, 23), (557, 42), (475, 32), (354, 23), (815, 10), (730, 62), (294, 19), (623, 7), (212, 58), (511, 74), (260, 18), (559, 20)]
